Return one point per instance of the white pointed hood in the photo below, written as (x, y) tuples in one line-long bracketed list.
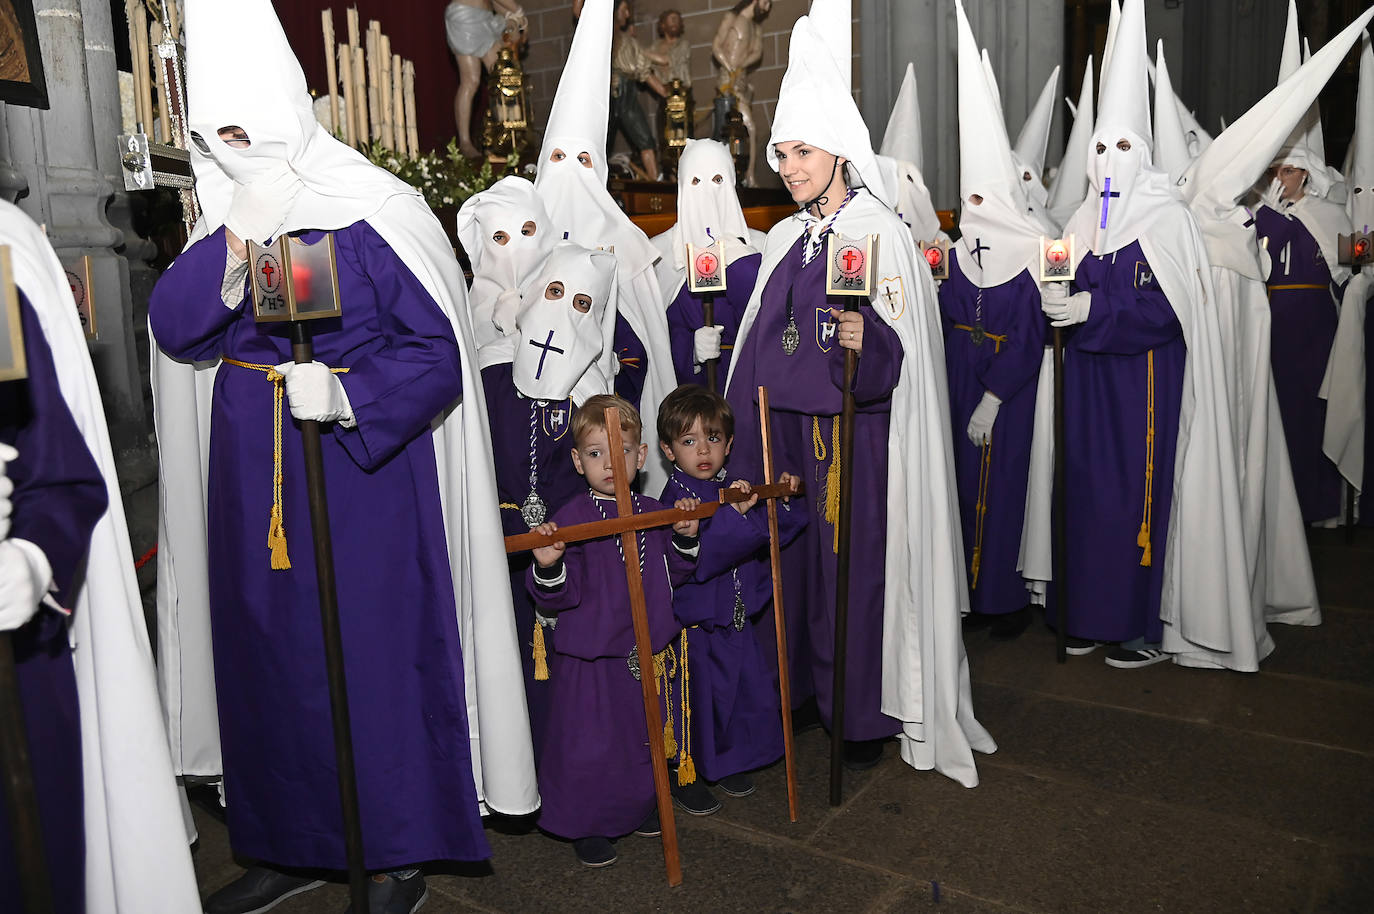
[(900, 160), (1303, 145), (1360, 204), (1106, 222), (999, 239), (272, 104), (572, 160), (1227, 170), (1171, 144), (1196, 138), (1070, 184), (1113, 24), (1029, 152), (814, 103), (512, 210)]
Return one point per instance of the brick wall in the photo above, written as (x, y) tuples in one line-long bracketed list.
[(550, 34)]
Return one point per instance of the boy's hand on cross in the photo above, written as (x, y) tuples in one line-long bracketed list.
[(793, 482), (687, 527), (549, 555), (743, 506)]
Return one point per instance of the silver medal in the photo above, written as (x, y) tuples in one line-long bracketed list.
[(740, 613), (533, 511), (633, 662), (791, 337)]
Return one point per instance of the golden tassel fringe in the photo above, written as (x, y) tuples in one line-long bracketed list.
[(276, 541), (541, 655)]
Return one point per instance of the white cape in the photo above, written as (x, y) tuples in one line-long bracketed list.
[(498, 720), (137, 857), (926, 682), (1343, 387)]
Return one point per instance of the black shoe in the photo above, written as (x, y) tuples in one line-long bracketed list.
[(594, 852), (695, 798), (1123, 659), (387, 894), (257, 890), (976, 622), (650, 827), (862, 754), (736, 785), (1077, 647), (1010, 626)]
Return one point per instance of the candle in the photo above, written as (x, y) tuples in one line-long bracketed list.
[(350, 114), (398, 109), (384, 91), (412, 133), (331, 73)]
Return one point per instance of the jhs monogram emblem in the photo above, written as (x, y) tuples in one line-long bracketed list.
[(1144, 276), (825, 329)]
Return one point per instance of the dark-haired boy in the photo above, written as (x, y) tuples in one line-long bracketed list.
[(735, 724)]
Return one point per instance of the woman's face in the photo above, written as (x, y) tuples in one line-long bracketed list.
[(808, 172), (1292, 178)]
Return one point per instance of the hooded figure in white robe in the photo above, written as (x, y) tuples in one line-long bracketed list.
[(916, 648), (136, 853), (1070, 185), (1028, 153), (902, 159), (572, 182), (323, 186)]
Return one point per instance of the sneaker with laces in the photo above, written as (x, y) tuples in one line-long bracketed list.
[(594, 852), (258, 890), (1124, 659), (389, 894)]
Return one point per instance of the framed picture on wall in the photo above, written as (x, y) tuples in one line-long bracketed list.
[(21, 61)]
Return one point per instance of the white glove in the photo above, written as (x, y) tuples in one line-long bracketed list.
[(1054, 294), (316, 393), (504, 311), (1272, 196), (706, 343), (984, 414), (258, 209), (24, 579), (7, 454), (1074, 310)]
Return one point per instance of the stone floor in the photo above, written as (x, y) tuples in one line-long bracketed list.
[(1162, 789)]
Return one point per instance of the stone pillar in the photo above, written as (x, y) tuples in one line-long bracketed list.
[(1025, 39), (67, 157)]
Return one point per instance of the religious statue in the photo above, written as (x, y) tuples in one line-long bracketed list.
[(631, 64), (507, 118), (678, 113), (475, 35), (738, 45)]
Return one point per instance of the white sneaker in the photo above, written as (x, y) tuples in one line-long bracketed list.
[(1123, 659)]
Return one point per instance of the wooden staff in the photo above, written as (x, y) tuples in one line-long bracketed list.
[(21, 798), (412, 132), (779, 623), (843, 525), (331, 72), (303, 351), (398, 111), (384, 92), (644, 650), (1061, 500), (708, 319)]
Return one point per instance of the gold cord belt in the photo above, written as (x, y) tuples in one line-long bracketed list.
[(997, 338), (1143, 537), (1294, 287), (276, 529)]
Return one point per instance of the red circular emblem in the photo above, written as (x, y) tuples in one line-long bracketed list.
[(850, 261), (935, 257), (269, 273), (1362, 248), (707, 264), (1057, 253)]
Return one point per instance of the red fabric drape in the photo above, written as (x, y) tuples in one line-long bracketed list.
[(416, 29)]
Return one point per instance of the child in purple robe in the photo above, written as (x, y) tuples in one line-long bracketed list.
[(595, 776), (734, 726)]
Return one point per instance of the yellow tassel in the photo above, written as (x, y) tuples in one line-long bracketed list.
[(669, 739), (832, 484), (686, 771), (541, 655), (276, 541), (977, 563), (1142, 539), (1146, 558)]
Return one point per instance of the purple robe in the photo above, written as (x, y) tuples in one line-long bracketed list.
[(686, 315), (632, 361), (595, 773), (59, 496), (1302, 330), (736, 723), (1107, 385), (805, 398), (396, 600), (1009, 369)]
